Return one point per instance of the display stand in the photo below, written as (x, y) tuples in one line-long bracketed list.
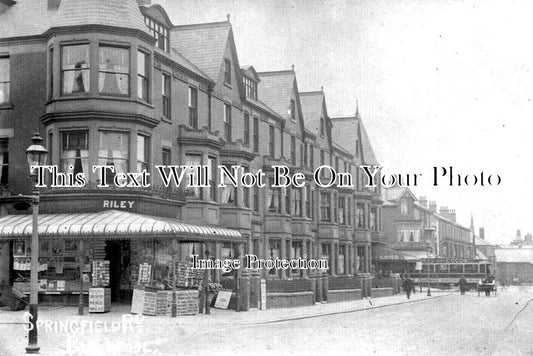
[(99, 295), (99, 300)]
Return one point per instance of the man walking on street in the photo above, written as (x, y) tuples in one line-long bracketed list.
[(407, 286), (462, 285)]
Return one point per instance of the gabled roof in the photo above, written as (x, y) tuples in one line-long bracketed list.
[(393, 194), (250, 72), (347, 129), (203, 44), (312, 105), (275, 89), (34, 17)]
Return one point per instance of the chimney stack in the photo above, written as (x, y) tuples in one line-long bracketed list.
[(423, 201), (444, 211), (433, 206), (452, 214)]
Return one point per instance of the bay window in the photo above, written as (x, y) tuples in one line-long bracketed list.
[(4, 79), (229, 192), (143, 72), (212, 191), (75, 152), (75, 69), (4, 162), (273, 197), (142, 152), (194, 161), (113, 150), (325, 207), (227, 122), (114, 70)]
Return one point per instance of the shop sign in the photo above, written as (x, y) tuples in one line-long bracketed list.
[(119, 204)]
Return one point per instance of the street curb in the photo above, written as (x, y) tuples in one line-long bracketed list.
[(335, 312)]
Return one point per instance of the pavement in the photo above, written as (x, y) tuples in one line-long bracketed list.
[(119, 326)]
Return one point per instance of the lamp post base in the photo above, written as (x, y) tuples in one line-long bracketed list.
[(33, 347), (429, 293)]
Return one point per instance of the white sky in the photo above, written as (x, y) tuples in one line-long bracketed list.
[(439, 83)]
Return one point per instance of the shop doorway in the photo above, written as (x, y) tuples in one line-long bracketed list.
[(119, 256)]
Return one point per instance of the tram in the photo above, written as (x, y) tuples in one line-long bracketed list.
[(447, 274)]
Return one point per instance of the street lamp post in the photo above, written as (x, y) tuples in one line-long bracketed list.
[(36, 155)]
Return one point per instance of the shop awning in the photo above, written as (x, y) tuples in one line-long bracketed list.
[(111, 224)]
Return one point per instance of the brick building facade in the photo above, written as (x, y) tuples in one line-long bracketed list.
[(119, 84)]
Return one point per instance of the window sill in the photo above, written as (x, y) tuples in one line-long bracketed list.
[(6, 106), (166, 119), (228, 85)]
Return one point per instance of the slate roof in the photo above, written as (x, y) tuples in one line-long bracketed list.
[(203, 44), (275, 90), (394, 193), (37, 17), (312, 110), (185, 63), (345, 131)]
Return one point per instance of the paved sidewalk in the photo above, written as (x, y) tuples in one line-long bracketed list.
[(110, 326)]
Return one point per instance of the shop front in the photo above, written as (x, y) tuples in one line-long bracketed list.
[(119, 251)]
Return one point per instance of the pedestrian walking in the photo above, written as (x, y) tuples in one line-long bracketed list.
[(462, 285), (408, 286)]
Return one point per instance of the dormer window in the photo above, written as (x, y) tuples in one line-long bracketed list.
[(251, 88), (322, 129), (159, 32)]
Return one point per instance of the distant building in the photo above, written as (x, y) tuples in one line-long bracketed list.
[(413, 231), (514, 264)]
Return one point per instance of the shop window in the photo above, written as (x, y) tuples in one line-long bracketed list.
[(4, 162), (113, 150), (228, 252), (165, 95), (227, 71), (194, 161), (143, 147), (114, 70), (143, 72), (246, 128), (229, 192), (325, 207), (75, 69), (273, 197), (227, 122), (4, 79), (212, 164), (256, 134), (75, 152), (193, 107)]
